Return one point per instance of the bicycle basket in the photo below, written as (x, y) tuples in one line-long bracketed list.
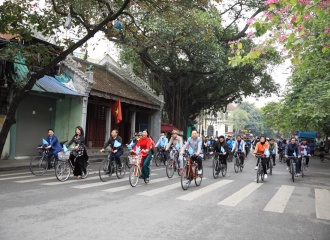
[(63, 156), (134, 159)]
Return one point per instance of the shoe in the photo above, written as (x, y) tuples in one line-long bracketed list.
[(274, 164), (256, 168), (200, 171), (147, 180), (287, 168), (298, 174), (306, 165), (265, 176), (181, 171), (242, 165)]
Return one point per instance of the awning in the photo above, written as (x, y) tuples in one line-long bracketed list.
[(168, 128), (50, 84)]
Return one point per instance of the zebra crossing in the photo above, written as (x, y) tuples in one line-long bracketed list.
[(159, 185)]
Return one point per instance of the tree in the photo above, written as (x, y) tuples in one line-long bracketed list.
[(24, 17), (240, 119), (188, 60)]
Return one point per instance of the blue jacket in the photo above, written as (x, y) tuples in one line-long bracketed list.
[(162, 142), (54, 143)]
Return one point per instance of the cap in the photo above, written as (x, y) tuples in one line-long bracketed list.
[(175, 131), (140, 134), (222, 136)]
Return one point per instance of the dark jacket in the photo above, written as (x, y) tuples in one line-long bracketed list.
[(290, 149), (217, 147), (111, 142), (54, 143)]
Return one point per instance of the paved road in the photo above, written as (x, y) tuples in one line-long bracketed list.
[(234, 207)]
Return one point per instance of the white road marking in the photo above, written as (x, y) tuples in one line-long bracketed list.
[(36, 179), (14, 174), (97, 184), (196, 194), (160, 190), (19, 177), (238, 196), (280, 199), (70, 181), (322, 203)]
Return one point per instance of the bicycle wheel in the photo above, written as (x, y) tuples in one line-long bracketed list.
[(258, 174), (215, 169), (134, 175), (223, 170), (185, 178), (105, 171), (170, 169), (38, 165), (302, 167), (198, 177), (85, 175), (236, 165), (120, 170), (261, 171), (270, 167), (292, 171), (62, 171), (158, 159), (127, 163)]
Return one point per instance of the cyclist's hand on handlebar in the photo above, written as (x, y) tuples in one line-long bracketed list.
[(286, 156), (102, 150), (299, 156), (211, 152)]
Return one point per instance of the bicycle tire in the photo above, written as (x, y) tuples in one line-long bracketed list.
[(292, 171), (198, 177), (158, 159), (120, 172), (134, 176), (170, 169), (261, 169), (270, 167), (38, 165), (83, 176), (258, 174), (105, 171), (185, 178), (236, 165), (223, 169), (215, 169), (127, 163), (302, 167), (62, 171)]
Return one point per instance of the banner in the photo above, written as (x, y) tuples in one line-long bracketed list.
[(116, 111)]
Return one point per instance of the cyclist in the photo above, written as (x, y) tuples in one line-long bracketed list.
[(54, 146), (221, 147), (161, 143), (247, 146), (230, 143), (293, 148), (273, 151), (239, 148), (195, 143), (133, 141), (176, 142), (115, 143), (322, 151), (144, 145), (260, 149), (78, 156), (305, 149)]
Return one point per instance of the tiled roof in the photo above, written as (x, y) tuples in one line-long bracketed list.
[(110, 84)]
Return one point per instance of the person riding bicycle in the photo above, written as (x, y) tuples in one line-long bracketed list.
[(247, 146), (305, 149), (54, 146), (143, 147), (273, 151), (230, 142), (162, 143), (176, 142), (291, 149), (260, 149), (222, 148), (133, 141), (322, 151), (78, 156), (195, 143), (115, 143), (239, 149)]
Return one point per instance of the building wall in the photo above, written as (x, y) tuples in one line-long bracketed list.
[(68, 116)]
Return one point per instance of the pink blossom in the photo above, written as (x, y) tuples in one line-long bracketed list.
[(282, 38), (300, 28), (231, 42), (232, 51), (250, 21), (307, 17), (285, 9), (283, 50), (268, 15), (249, 34), (271, 2), (294, 18), (327, 30), (306, 2), (252, 50), (263, 52), (324, 3)]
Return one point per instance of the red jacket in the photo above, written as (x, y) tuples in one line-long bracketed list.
[(144, 144)]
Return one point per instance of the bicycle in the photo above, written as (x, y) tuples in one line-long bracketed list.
[(270, 159), (293, 166), (173, 165), (108, 166), (303, 165), (281, 155), (190, 172), (230, 155), (136, 170), (39, 164), (218, 166), (260, 170), (160, 158), (64, 167), (238, 164)]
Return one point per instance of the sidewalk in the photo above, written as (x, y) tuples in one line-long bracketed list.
[(24, 164)]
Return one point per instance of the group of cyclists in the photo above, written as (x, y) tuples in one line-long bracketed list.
[(266, 149)]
